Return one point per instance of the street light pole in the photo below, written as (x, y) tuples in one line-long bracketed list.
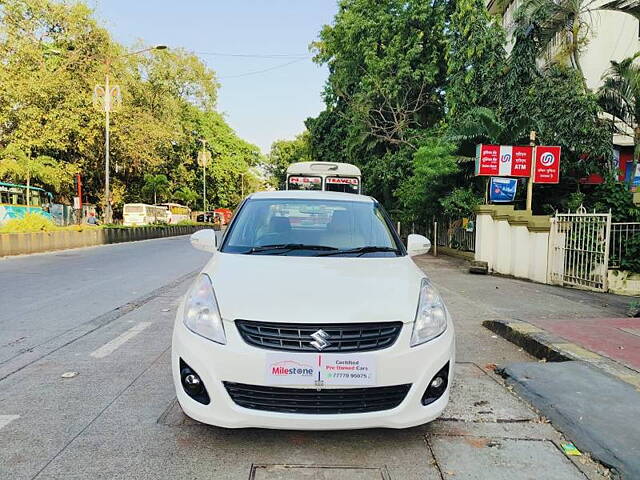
[(108, 102), (108, 216)]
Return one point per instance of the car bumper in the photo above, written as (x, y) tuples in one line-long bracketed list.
[(241, 363)]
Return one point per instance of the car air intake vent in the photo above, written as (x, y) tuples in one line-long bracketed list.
[(336, 337), (312, 401)]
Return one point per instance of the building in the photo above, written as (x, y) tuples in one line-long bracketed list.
[(612, 36)]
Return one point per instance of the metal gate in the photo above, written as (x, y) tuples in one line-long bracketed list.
[(579, 250)]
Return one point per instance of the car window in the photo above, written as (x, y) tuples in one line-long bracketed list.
[(339, 225)]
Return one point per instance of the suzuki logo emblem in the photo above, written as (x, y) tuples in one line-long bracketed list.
[(320, 339)]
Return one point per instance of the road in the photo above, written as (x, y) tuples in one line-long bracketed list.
[(103, 316)]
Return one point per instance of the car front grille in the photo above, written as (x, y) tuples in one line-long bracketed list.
[(312, 401), (342, 337)]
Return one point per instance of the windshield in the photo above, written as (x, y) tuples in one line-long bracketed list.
[(311, 227), (342, 184), (304, 183)]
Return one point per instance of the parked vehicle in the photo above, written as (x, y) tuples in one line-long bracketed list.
[(142, 214), (13, 201), (328, 176), (177, 212), (312, 315)]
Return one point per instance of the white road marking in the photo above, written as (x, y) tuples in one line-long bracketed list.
[(113, 345), (7, 419)]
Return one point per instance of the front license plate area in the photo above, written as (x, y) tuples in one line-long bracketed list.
[(319, 369)]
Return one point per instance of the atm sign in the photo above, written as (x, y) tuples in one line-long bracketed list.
[(503, 160)]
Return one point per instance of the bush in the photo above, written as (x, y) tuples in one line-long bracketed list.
[(31, 222), (189, 223), (631, 257)]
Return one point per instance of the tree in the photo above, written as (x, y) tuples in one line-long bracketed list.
[(155, 185), (475, 58), (434, 166), (283, 153), (20, 167), (567, 22), (187, 196), (620, 97), (53, 53)]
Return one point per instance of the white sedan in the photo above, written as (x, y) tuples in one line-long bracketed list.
[(312, 315)]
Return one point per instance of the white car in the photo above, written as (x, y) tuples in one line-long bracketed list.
[(311, 315)]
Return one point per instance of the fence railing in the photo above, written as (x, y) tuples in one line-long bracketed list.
[(621, 233), (458, 234)]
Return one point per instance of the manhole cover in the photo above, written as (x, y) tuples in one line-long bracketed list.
[(317, 472)]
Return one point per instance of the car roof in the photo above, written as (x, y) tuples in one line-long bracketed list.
[(314, 194)]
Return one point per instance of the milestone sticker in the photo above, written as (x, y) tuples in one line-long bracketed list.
[(319, 369)]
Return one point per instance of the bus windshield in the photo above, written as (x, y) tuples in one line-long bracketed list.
[(304, 183)]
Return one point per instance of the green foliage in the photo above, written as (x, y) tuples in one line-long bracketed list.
[(155, 185), (620, 97), (461, 202), (476, 58), (283, 153), (433, 165), (614, 196), (631, 257), (187, 196), (53, 53)]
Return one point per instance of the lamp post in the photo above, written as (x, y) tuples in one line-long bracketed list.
[(107, 97)]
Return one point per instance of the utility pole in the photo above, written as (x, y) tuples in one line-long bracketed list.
[(204, 157), (108, 217), (532, 142), (105, 99)]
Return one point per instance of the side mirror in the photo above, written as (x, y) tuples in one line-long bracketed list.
[(417, 245), (205, 240)]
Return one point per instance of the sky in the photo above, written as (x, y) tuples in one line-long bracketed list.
[(261, 107)]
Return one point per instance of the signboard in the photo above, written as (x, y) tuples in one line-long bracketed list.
[(305, 180), (503, 189), (507, 160), (204, 158), (342, 180), (547, 166), (487, 159), (521, 161), (320, 369)]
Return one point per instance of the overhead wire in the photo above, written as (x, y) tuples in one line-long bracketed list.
[(256, 72)]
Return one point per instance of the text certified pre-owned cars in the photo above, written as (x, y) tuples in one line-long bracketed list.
[(312, 315)]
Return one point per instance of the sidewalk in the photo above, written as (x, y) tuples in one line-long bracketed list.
[(587, 379)]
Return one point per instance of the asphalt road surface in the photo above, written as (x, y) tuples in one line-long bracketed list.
[(103, 317)]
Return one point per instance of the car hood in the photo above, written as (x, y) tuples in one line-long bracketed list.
[(315, 289)]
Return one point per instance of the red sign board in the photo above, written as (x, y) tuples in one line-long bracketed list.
[(547, 167), (521, 161), (504, 160), (487, 159)]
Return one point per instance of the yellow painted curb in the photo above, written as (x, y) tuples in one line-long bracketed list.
[(577, 351), (524, 327)]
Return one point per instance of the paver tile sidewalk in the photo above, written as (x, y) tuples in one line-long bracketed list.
[(616, 338)]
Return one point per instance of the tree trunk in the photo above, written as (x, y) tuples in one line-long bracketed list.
[(155, 200), (28, 199)]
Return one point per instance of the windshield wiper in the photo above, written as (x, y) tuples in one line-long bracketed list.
[(287, 247), (360, 250)]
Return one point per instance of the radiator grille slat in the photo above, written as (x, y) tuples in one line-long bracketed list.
[(343, 337), (311, 401)]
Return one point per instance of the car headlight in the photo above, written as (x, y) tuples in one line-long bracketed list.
[(431, 317), (201, 312)]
